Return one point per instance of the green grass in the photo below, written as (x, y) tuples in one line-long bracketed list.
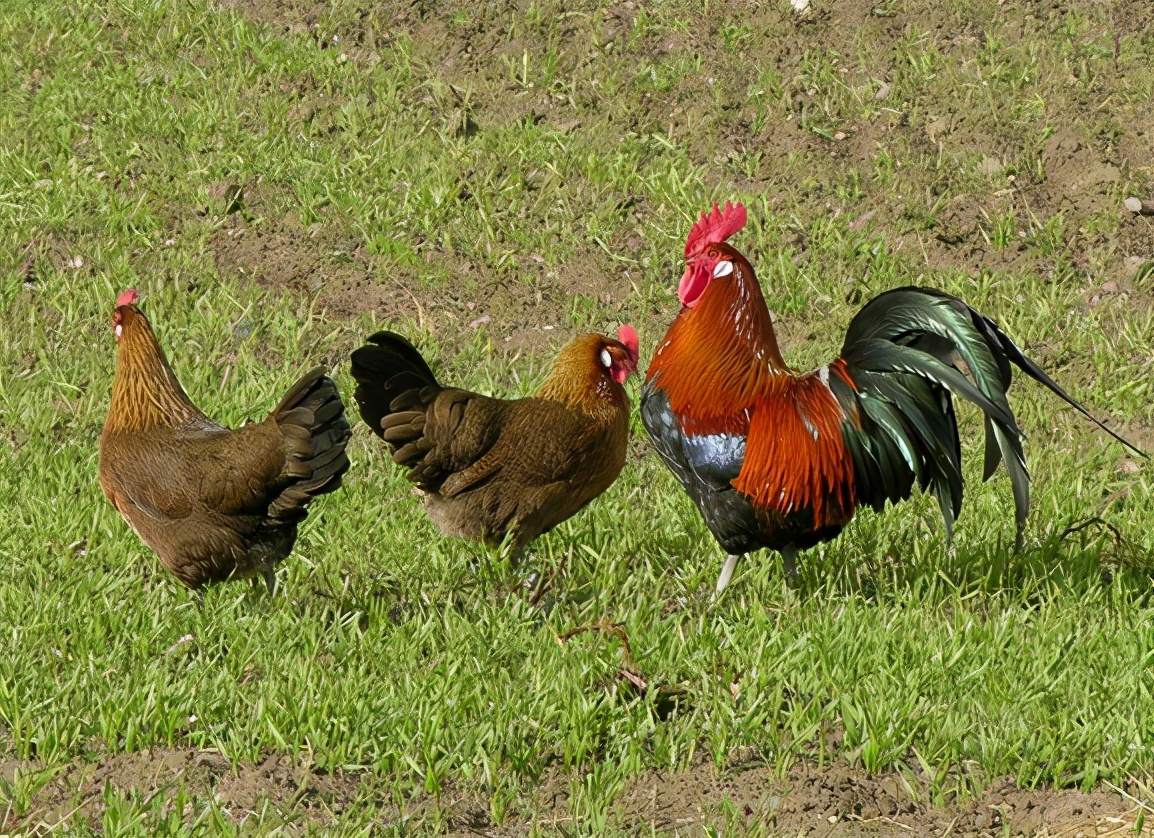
[(416, 661)]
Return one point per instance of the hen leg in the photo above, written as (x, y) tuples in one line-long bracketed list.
[(726, 573), (270, 580)]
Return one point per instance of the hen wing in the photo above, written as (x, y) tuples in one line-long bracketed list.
[(172, 476), (476, 439)]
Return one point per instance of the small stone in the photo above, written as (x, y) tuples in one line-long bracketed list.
[(883, 92), (840, 135)]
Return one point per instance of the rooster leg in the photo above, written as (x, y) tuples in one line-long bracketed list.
[(270, 580), (789, 560), (726, 573)]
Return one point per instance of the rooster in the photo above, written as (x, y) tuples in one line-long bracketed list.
[(495, 469), (213, 503), (780, 459)]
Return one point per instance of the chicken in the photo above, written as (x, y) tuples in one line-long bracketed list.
[(490, 468), (213, 503), (779, 459)]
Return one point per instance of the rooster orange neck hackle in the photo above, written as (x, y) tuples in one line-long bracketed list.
[(145, 392), (720, 356), (722, 371)]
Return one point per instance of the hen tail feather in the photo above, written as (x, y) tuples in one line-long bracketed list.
[(311, 418), (394, 389)]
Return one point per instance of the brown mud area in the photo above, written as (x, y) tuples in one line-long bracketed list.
[(982, 182), (837, 801), (334, 268)]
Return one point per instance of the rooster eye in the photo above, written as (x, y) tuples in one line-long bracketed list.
[(606, 359), (724, 268)]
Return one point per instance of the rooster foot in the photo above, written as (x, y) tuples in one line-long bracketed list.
[(789, 561)]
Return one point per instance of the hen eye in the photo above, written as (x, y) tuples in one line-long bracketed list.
[(724, 268), (606, 359)]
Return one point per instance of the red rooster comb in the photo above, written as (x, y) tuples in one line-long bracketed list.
[(714, 228), (127, 297)]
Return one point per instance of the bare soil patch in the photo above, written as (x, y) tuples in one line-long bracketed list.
[(836, 801), (1072, 161), (76, 794), (533, 311), (842, 801)]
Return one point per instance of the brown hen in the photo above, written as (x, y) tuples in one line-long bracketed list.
[(491, 468), (213, 503)]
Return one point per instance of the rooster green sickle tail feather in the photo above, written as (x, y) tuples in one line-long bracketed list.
[(901, 350)]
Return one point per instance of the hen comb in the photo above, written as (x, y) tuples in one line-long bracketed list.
[(628, 336), (714, 228), (127, 297)]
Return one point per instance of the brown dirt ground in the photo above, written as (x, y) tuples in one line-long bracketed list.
[(1080, 173), (837, 801), (324, 262), (1081, 165)]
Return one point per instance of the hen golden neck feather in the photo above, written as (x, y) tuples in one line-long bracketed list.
[(719, 356), (145, 391), (580, 382)]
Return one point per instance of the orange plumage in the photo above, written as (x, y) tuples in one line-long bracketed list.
[(778, 459)]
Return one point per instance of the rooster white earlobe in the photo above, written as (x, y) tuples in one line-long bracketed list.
[(724, 268), (606, 359)]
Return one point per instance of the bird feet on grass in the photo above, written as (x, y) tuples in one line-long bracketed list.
[(268, 576), (788, 563), (540, 584)]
